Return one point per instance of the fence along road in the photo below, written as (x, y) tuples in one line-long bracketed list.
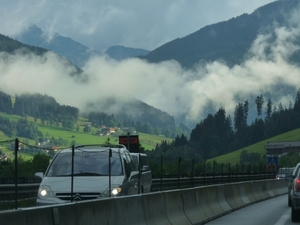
[(29, 190), (17, 191), (187, 206)]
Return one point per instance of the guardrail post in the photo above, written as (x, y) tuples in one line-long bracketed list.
[(214, 171), (204, 171), (179, 162), (161, 171), (236, 171), (249, 170), (140, 171), (193, 171), (72, 172), (229, 172), (242, 171), (266, 171), (16, 172), (222, 171), (109, 172)]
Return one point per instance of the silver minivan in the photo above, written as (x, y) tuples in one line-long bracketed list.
[(283, 172), (141, 163), (88, 172)]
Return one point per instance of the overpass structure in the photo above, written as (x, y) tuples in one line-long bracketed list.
[(281, 147), (181, 206)]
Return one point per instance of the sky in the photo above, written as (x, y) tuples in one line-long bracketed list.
[(99, 24), (143, 24)]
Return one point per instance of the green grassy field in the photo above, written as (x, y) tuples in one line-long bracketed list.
[(234, 157), (78, 138), (146, 140)]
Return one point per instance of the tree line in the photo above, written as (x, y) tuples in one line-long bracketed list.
[(219, 134), (51, 113), (99, 119), (215, 135)]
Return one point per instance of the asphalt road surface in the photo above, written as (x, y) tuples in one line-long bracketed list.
[(274, 211)]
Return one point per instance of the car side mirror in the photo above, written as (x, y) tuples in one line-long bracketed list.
[(133, 175), (290, 177), (39, 175), (145, 168)]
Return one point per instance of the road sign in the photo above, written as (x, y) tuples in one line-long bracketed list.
[(132, 144)]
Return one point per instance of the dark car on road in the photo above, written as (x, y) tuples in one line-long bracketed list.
[(141, 163), (290, 182), (294, 196)]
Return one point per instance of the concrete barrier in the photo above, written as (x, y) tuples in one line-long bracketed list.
[(280, 187), (233, 196), (187, 206), (202, 201), (174, 207), (155, 209), (222, 199), (264, 190), (134, 213), (190, 206), (12, 217), (243, 194), (28, 216), (213, 201), (274, 187), (257, 190), (272, 192), (249, 192)]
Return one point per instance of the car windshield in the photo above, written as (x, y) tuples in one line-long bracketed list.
[(85, 164), (135, 161), (285, 170)]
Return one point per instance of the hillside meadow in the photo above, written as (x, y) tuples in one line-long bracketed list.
[(146, 140), (234, 157), (77, 137)]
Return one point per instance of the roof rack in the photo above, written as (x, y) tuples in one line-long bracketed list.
[(102, 145)]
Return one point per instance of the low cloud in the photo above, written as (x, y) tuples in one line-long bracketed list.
[(167, 86)]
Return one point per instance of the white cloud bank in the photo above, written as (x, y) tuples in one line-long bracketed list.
[(165, 85)]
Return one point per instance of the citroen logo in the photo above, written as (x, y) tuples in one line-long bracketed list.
[(77, 197)]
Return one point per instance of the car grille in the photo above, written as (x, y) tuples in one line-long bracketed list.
[(78, 196)]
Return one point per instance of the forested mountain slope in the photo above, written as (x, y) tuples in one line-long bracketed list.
[(74, 51), (11, 46), (229, 40)]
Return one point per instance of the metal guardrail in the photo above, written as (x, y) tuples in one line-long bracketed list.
[(7, 191), (188, 182)]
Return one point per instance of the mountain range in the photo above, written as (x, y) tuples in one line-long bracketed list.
[(74, 51), (227, 41), (119, 52)]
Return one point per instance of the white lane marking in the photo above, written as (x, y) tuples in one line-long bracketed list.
[(283, 218)]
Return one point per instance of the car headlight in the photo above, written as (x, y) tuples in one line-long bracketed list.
[(45, 192), (115, 190)]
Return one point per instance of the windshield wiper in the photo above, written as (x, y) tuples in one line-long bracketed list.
[(89, 174), (61, 175)]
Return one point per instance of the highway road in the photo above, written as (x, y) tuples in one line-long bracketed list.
[(274, 211)]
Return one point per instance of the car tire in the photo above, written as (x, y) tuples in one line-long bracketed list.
[(289, 201), (294, 215)]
